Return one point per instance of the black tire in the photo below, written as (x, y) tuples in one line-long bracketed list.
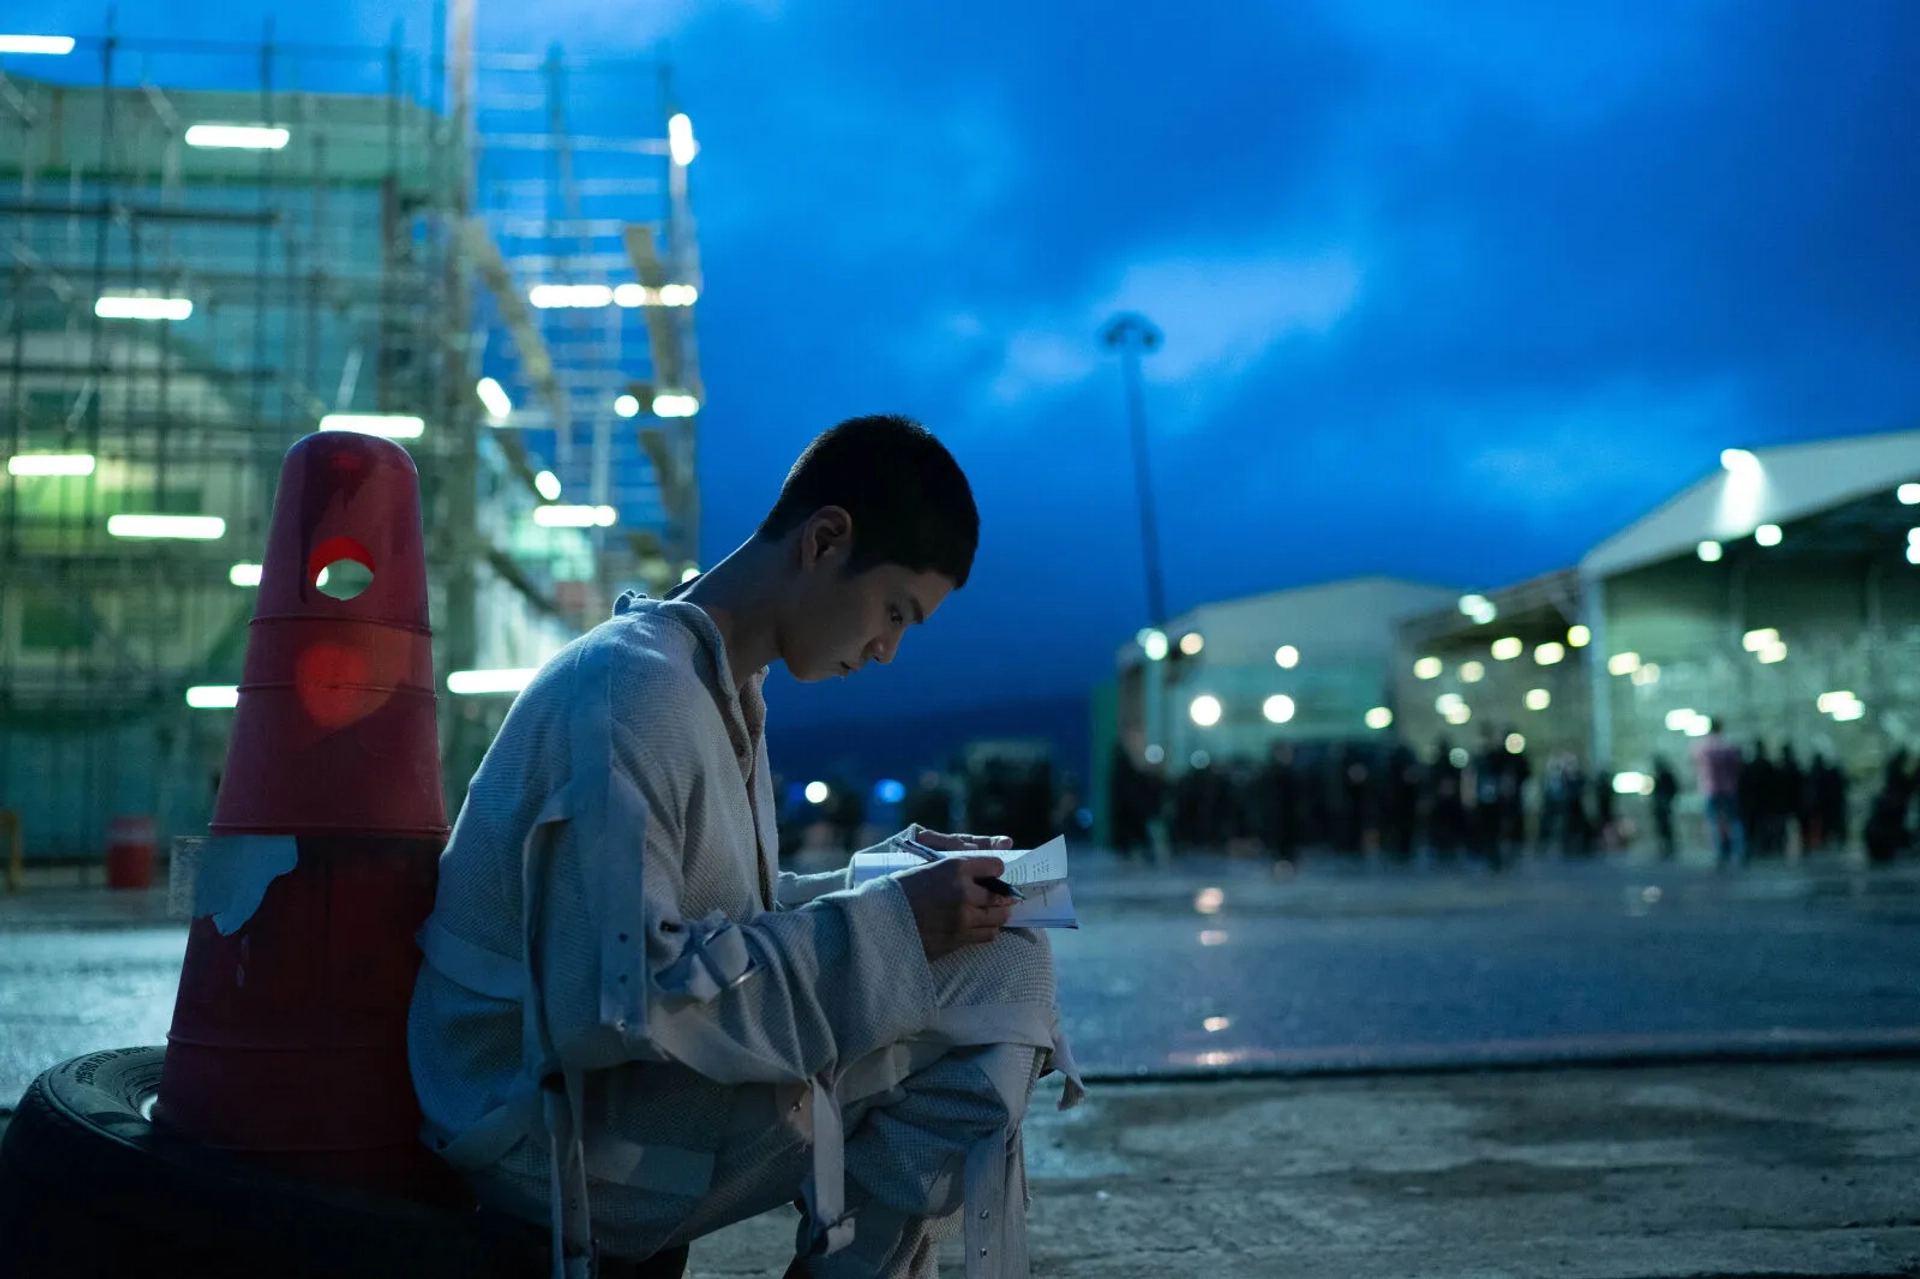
[(88, 1186)]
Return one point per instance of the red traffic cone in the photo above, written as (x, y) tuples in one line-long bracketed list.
[(289, 1032)]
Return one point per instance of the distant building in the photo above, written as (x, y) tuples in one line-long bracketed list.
[(1781, 593), (1506, 666), (1310, 664)]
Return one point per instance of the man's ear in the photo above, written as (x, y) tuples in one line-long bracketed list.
[(827, 532)]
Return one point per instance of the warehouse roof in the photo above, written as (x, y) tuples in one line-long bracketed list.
[(1349, 614), (1762, 486)]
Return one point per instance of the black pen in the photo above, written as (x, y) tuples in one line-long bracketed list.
[(992, 883)]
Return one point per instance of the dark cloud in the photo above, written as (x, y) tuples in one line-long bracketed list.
[(1590, 245)]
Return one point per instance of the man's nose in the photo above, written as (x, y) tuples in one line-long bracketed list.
[(882, 650)]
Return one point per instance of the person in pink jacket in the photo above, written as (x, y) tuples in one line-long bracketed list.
[(1716, 766)]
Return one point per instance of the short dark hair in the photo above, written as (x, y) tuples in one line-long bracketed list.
[(910, 502)]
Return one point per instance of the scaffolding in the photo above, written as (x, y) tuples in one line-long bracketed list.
[(210, 250), (585, 247)]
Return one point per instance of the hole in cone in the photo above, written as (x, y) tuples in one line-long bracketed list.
[(340, 567)]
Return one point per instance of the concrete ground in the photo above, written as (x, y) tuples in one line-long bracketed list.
[(1781, 1169), (1329, 983)]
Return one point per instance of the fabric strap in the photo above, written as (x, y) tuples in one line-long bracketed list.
[(825, 1192)]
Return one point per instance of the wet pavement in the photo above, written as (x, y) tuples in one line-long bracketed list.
[(1226, 966), (1223, 966), (64, 993), (1212, 968)]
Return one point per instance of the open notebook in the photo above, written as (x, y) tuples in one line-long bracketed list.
[(1040, 873)]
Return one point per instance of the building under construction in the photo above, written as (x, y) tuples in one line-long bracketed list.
[(214, 249)]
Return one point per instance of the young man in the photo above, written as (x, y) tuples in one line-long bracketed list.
[(633, 1027)]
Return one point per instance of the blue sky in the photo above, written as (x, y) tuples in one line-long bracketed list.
[(1450, 291)]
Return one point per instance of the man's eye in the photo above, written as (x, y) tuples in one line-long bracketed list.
[(894, 615)]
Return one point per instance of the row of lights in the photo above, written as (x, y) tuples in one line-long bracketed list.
[(550, 297), (1506, 649), (681, 146), (1515, 743), (1153, 642), (1843, 704), (1454, 709), (556, 515), (392, 426), (663, 404), (499, 404), (466, 683), (1206, 711), (1743, 463), (1630, 665), (1766, 535), (149, 307), (244, 574), (1765, 644), (212, 527)]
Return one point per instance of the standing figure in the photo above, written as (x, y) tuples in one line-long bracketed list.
[(1790, 801), (1447, 824), (1717, 767), (1605, 828), (1665, 787), (1480, 792), (1402, 802), (1280, 791), (1887, 834), (1356, 817), (930, 803), (1758, 801), (1829, 786), (1579, 825)]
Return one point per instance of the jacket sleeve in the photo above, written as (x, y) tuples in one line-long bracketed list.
[(797, 890), (625, 975)]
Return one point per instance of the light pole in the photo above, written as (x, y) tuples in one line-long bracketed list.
[(1133, 336)]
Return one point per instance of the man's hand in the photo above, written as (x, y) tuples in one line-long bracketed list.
[(950, 907)]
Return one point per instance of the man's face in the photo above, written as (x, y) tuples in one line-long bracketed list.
[(842, 622)]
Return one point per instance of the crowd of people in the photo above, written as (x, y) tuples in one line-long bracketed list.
[(1029, 801), (1334, 796), (1755, 803), (1486, 802), (1489, 802)]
